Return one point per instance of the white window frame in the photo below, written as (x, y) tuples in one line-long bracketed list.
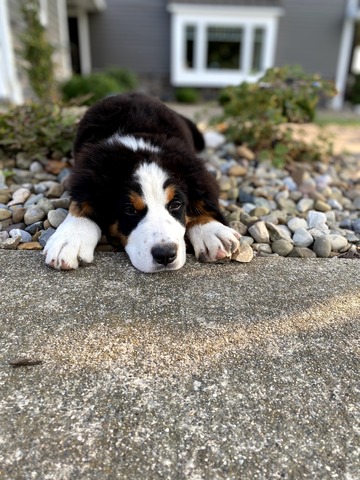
[(204, 16)]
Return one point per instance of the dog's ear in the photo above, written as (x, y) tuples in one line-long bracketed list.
[(198, 139)]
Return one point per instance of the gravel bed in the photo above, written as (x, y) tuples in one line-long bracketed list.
[(306, 210)]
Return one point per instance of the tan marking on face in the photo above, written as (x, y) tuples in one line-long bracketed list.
[(170, 193), (81, 209), (115, 232), (136, 201)]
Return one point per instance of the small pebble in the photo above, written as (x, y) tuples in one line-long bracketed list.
[(282, 247), (259, 232), (33, 214), (302, 238), (322, 247), (25, 236)]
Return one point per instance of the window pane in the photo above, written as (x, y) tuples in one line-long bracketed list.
[(224, 47), (189, 46), (258, 46)]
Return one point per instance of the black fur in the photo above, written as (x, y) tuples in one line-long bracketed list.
[(102, 175)]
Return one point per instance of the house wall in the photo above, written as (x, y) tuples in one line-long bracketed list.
[(309, 35), (134, 34)]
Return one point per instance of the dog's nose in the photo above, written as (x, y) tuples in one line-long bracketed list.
[(164, 254)]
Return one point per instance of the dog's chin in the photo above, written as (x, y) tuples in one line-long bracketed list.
[(154, 267)]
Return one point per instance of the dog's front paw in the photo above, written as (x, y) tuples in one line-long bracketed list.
[(213, 241), (73, 242)]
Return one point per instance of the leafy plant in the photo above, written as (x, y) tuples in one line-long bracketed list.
[(187, 95), (38, 130), (254, 113), (95, 86), (127, 79), (37, 53)]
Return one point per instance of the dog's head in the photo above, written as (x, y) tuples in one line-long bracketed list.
[(151, 218)]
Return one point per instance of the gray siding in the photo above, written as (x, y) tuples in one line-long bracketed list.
[(133, 34), (309, 35)]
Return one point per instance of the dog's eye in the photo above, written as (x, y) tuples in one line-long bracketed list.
[(130, 210), (175, 206)]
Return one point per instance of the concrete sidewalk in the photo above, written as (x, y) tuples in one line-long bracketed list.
[(236, 371)]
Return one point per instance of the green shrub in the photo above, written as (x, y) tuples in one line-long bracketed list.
[(37, 53), (90, 88), (37, 129), (253, 113), (127, 79), (187, 95)]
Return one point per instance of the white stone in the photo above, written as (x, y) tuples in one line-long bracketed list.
[(337, 242), (214, 139), (259, 232), (296, 222), (317, 220)]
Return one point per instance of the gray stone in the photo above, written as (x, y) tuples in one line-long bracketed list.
[(302, 252), (302, 238), (315, 233), (262, 247), (44, 237), (239, 227), (282, 247), (356, 226), (36, 167), (277, 233), (335, 204), (34, 227), (259, 232), (33, 200), (322, 247), (45, 204), (56, 217), (55, 191), (23, 161), (4, 235), (25, 236), (63, 202), (33, 214)]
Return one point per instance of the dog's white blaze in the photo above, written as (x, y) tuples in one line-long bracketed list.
[(158, 227), (132, 143), (75, 239)]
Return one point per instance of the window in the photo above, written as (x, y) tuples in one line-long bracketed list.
[(224, 47), (190, 46), (217, 46)]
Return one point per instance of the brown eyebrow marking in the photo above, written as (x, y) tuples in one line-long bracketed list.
[(170, 193), (136, 201)]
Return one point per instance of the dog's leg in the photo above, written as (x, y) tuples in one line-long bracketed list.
[(74, 240), (212, 241)]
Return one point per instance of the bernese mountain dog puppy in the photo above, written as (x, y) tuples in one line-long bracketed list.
[(137, 179)]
